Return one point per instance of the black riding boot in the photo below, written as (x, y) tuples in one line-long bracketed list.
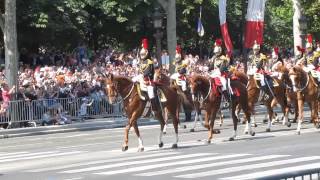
[(153, 105), (264, 92), (227, 99)]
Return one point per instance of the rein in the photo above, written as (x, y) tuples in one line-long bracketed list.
[(122, 99), (206, 97), (306, 85)]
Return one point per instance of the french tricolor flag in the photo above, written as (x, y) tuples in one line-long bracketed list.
[(224, 26), (255, 22)]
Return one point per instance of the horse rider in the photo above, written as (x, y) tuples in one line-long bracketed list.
[(146, 68), (181, 70), (218, 67), (300, 57), (276, 63), (257, 65)]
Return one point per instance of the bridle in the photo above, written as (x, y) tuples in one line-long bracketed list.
[(199, 98), (295, 86), (116, 89)]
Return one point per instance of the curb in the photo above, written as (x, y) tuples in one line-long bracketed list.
[(71, 129)]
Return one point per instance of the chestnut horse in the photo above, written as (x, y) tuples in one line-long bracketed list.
[(307, 91), (276, 94), (134, 106), (201, 86), (187, 103)]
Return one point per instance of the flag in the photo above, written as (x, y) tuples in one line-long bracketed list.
[(255, 22), (200, 28), (224, 26)]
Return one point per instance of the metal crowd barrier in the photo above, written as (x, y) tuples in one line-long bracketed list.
[(36, 111), (308, 174)]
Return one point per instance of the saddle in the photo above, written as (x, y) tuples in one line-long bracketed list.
[(258, 77), (216, 86), (315, 75), (142, 92)]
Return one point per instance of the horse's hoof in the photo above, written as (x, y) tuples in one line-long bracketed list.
[(231, 139), (174, 146), (184, 126), (217, 131), (220, 125), (253, 133), (124, 148), (246, 132), (288, 124), (141, 149), (298, 132), (268, 130), (255, 125), (244, 122), (161, 145), (164, 132), (192, 130), (207, 142), (317, 125)]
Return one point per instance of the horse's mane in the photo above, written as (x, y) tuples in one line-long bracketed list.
[(198, 77), (119, 78)]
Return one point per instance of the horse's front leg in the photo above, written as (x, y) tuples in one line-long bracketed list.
[(300, 109), (270, 113), (131, 121), (314, 113), (166, 118), (235, 122), (136, 129)]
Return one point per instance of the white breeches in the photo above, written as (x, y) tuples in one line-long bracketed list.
[(137, 78), (262, 80), (180, 82), (150, 90), (252, 70), (217, 74), (276, 74)]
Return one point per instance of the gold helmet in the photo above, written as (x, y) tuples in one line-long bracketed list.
[(256, 46), (217, 46), (309, 42)]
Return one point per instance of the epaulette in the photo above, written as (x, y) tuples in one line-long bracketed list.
[(150, 61), (263, 57)]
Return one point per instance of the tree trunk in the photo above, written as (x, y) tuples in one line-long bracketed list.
[(170, 7), (10, 41), (297, 34)]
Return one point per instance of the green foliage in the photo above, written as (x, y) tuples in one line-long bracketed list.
[(65, 23)]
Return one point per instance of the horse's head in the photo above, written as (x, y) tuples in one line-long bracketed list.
[(295, 75), (198, 85), (111, 88)]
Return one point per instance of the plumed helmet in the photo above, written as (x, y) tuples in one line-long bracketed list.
[(217, 46), (275, 52), (144, 50), (309, 41), (256, 46)]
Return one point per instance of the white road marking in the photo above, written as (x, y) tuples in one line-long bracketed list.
[(40, 156), (137, 162), (274, 172), (75, 178), (9, 154), (101, 161), (215, 164), (147, 167), (26, 154), (248, 167)]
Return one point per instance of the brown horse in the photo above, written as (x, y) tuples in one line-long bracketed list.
[(187, 103), (201, 86), (134, 106), (307, 91), (275, 94)]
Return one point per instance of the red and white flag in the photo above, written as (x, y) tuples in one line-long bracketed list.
[(255, 22), (224, 26)]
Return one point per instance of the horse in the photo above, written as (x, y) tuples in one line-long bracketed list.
[(201, 86), (134, 106), (275, 94), (307, 91), (187, 103)]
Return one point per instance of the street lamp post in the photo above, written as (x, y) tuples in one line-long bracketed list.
[(303, 26), (157, 23)]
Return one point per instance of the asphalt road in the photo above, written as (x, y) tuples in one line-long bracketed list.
[(97, 154)]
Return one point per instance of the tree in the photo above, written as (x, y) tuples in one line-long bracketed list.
[(9, 28), (170, 7)]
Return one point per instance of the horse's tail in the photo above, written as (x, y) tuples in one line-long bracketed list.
[(185, 101)]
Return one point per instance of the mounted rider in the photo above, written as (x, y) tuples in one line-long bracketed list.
[(276, 63), (257, 66), (181, 70), (218, 67), (146, 76)]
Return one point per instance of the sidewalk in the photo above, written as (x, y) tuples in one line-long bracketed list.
[(90, 124)]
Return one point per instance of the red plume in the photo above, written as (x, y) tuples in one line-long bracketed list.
[(276, 50), (178, 49), (219, 42), (309, 38), (145, 43), (302, 50)]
